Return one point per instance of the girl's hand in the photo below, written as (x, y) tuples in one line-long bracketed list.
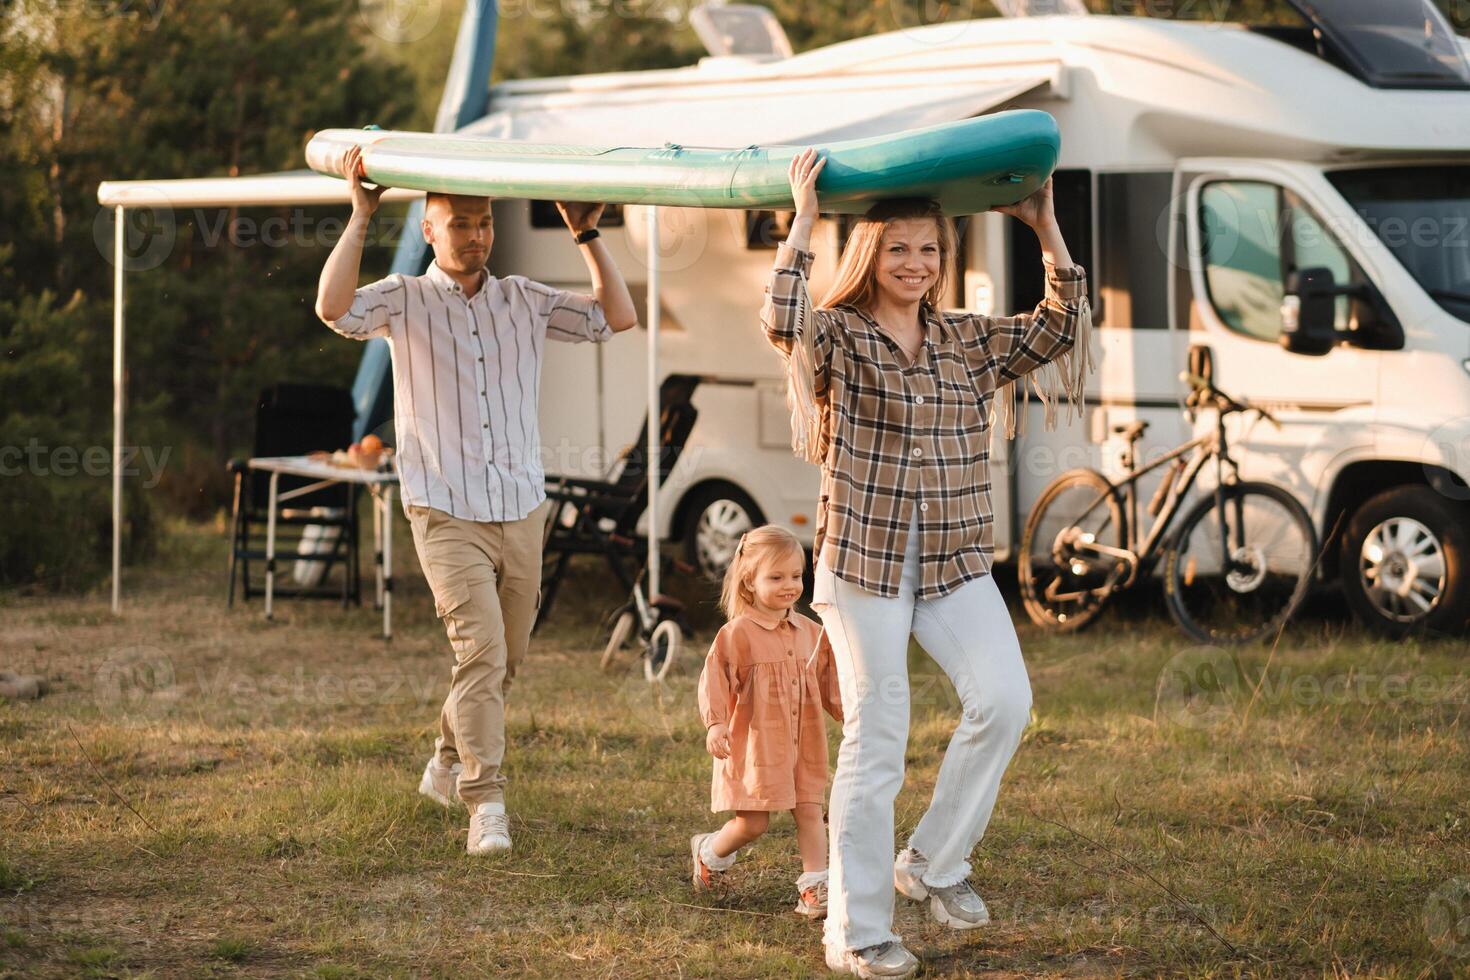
[(1035, 210), (805, 167), (717, 741), (364, 201)]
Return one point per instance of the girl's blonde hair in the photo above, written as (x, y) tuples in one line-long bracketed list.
[(857, 285), (757, 549)]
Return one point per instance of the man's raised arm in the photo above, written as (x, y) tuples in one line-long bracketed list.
[(338, 284), (607, 280)]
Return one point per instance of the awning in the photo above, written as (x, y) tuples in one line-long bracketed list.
[(736, 116), (288, 187), (720, 120)]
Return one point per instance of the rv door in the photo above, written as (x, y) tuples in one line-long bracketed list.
[(1246, 226)]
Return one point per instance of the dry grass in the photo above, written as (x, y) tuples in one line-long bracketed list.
[(206, 793)]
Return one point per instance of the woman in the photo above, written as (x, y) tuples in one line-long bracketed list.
[(895, 401)]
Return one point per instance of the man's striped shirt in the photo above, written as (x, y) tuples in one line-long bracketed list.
[(467, 383)]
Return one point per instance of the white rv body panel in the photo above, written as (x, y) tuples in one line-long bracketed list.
[(1195, 104)]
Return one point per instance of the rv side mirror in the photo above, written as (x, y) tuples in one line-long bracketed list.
[(1309, 312)]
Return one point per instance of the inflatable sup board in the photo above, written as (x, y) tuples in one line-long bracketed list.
[(968, 166)]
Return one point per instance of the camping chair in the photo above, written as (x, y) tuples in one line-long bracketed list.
[(293, 420), (600, 517)]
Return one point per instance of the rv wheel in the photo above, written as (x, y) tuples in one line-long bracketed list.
[(1406, 562), (718, 515)]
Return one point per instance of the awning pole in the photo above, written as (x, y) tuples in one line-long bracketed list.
[(118, 256), (654, 457)]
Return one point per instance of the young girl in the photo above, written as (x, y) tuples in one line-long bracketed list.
[(766, 679)]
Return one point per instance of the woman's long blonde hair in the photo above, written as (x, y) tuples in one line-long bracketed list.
[(857, 285), (757, 549), (857, 278)]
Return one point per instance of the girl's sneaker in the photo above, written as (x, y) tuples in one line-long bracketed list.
[(703, 876), (812, 901)]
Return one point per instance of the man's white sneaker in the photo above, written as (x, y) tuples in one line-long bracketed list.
[(489, 829), (957, 905), (440, 784), (888, 959)]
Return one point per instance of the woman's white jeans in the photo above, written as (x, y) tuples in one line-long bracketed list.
[(970, 635)]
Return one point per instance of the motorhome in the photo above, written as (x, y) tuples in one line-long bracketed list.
[(1294, 198)]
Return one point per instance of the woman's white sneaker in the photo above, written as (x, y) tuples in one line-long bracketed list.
[(489, 829), (956, 906), (441, 784), (888, 959)]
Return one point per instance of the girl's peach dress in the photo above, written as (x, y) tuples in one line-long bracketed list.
[(769, 685)]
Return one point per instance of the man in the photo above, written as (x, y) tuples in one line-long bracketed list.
[(467, 354)]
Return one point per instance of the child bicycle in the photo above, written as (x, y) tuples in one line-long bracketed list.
[(657, 621), (1234, 571)]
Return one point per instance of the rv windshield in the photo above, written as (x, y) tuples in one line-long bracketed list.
[(1423, 215)]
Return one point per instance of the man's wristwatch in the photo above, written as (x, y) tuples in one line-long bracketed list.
[(585, 236)]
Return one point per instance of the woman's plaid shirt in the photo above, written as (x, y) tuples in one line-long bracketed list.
[(902, 437)]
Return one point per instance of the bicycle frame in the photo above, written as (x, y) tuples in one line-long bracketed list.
[(1141, 560)]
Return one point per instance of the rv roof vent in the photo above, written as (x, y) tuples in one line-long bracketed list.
[(1399, 44), (1039, 8), (739, 29)]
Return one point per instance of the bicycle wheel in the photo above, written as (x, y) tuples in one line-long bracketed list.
[(1062, 582), (663, 650), (1236, 574), (624, 622)]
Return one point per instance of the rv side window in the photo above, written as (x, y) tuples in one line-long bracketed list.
[(1132, 274), (1253, 234), (545, 215), (767, 229), (1072, 201)]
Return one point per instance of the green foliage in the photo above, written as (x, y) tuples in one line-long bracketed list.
[(220, 302)]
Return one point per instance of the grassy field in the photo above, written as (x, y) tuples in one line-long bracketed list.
[(208, 794)]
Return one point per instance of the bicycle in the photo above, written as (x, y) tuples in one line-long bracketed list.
[(658, 622), (1235, 570)]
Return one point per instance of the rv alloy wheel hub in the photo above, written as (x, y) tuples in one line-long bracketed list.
[(717, 534), (1403, 569)]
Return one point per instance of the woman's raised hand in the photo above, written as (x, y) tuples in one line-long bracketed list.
[(805, 167), (1036, 210)]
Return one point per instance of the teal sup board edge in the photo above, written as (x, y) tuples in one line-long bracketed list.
[(967, 166)]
